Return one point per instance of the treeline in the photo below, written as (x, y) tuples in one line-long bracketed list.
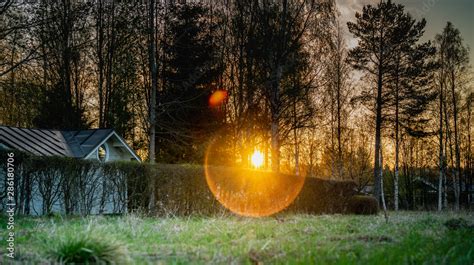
[(391, 109)]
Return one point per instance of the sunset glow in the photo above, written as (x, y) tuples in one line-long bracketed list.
[(257, 159)]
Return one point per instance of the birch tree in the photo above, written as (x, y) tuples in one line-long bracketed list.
[(453, 62), (338, 91)]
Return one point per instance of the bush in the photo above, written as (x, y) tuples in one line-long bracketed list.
[(361, 204), (323, 196)]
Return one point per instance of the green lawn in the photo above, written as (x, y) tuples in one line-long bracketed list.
[(408, 238)]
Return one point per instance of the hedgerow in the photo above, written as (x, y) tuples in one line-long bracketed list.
[(46, 185)]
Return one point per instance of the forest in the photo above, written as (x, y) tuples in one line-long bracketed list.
[(393, 112)]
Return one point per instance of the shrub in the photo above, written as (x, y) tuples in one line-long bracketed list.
[(323, 196), (86, 250), (361, 204)]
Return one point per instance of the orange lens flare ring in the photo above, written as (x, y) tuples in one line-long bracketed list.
[(217, 98), (247, 192)]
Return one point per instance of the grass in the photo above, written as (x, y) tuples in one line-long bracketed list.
[(408, 238), (84, 249)]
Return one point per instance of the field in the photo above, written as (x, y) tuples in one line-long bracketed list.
[(408, 238)]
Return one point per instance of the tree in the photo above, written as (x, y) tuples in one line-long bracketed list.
[(247, 111), (337, 74), (117, 35), (411, 84), (469, 165), (375, 28), (153, 78), (453, 62), (387, 45), (14, 29), (283, 29), (184, 119), (62, 38), (441, 79), (18, 90)]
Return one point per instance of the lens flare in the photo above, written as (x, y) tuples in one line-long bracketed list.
[(217, 98), (248, 192)]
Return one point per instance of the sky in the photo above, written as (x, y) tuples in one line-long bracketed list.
[(436, 12)]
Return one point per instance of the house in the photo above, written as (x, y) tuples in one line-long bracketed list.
[(46, 193), (101, 144)]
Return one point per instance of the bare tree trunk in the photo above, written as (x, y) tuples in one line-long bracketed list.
[(384, 206), (275, 119), (12, 119), (469, 151), (295, 135), (100, 44), (378, 140), (397, 144), (378, 121), (339, 87), (456, 145), (333, 142), (297, 154), (153, 78), (275, 151), (447, 144), (111, 47), (338, 115), (152, 108), (441, 153), (445, 190), (66, 26)]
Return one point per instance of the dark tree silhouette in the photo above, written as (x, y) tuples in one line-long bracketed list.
[(184, 120), (387, 52)]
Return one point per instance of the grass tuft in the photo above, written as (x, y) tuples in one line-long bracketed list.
[(457, 223), (87, 250)]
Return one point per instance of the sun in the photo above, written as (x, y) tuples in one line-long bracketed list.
[(257, 159)]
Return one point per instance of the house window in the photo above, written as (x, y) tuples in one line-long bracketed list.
[(102, 153)]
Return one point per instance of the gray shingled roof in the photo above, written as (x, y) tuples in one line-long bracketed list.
[(53, 142)]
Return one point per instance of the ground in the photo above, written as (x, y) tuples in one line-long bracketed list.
[(408, 238)]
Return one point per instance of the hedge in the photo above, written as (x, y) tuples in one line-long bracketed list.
[(323, 196), (72, 186), (361, 204)]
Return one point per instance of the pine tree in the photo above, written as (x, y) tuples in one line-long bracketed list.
[(387, 47)]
